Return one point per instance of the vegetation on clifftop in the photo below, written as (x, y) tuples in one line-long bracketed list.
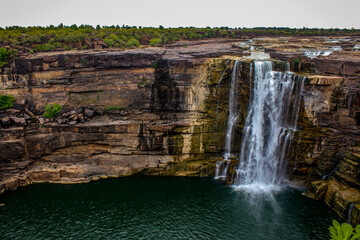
[(28, 39), (42, 39), (4, 57)]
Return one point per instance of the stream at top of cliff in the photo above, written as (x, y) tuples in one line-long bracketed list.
[(159, 208)]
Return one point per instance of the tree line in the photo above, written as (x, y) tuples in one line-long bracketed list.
[(41, 39)]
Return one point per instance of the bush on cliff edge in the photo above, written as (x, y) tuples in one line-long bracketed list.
[(52, 110), (6, 101)]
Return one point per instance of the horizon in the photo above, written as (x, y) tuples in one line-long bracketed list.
[(139, 27), (327, 14)]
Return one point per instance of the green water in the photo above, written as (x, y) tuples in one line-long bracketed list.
[(158, 208)]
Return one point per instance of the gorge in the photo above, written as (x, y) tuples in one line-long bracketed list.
[(189, 109)]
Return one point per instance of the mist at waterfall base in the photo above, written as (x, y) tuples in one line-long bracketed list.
[(158, 208), (270, 123)]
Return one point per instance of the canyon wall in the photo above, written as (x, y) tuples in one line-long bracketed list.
[(164, 112), (326, 150), (124, 113)]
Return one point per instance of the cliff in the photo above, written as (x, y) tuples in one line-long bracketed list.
[(124, 113), (163, 111)]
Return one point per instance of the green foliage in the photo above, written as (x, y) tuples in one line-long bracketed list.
[(114, 108), (155, 64), (44, 47), (83, 61), (344, 231), (143, 81), (155, 41), (70, 37), (109, 42), (4, 57), (6, 101), (296, 60), (133, 43), (51, 110)]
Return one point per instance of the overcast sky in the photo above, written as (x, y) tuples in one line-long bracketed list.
[(199, 13)]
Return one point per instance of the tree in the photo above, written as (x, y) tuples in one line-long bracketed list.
[(4, 57)]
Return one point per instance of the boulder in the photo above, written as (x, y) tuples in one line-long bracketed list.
[(69, 114), (73, 117), (62, 121), (27, 117), (72, 122), (17, 120), (79, 110), (100, 110), (29, 112), (5, 121), (89, 112), (12, 111)]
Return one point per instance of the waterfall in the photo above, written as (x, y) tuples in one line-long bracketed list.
[(351, 206), (222, 166), (233, 112), (269, 127)]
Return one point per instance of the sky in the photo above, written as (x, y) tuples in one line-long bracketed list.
[(183, 13)]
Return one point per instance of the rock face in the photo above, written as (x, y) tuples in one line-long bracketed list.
[(123, 113), (163, 111), (327, 147)]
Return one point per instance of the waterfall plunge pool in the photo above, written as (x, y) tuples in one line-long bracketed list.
[(159, 208)]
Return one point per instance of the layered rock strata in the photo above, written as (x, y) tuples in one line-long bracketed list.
[(163, 111), (146, 111)]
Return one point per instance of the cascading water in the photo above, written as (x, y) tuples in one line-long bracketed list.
[(222, 166), (270, 123), (349, 213)]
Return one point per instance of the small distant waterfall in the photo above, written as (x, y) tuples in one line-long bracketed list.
[(222, 166), (269, 127), (349, 213)]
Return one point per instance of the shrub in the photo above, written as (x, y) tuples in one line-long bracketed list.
[(155, 41), (143, 81), (4, 57), (83, 61), (109, 41), (6, 101), (133, 43), (44, 47), (344, 231), (51, 110), (114, 108)]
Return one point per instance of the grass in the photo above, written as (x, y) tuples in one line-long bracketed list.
[(114, 108)]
